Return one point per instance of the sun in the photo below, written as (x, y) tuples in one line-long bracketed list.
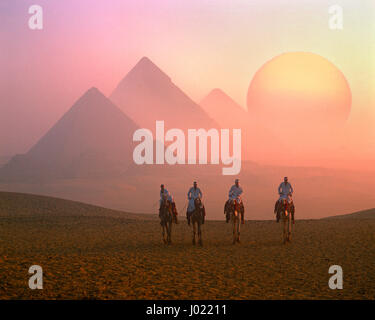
[(300, 85)]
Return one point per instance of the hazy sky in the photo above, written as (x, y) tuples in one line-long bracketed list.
[(200, 44)]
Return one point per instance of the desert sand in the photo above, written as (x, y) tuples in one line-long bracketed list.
[(88, 252)]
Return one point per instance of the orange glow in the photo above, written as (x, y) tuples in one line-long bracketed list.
[(302, 85)]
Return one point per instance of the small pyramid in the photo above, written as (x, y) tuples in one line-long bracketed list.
[(223, 109)]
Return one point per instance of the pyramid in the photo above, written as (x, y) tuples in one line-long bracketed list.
[(94, 138)]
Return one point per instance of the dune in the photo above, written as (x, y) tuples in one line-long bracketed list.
[(14, 204), (363, 214)]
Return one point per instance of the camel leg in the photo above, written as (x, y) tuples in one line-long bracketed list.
[(193, 222), (289, 228), (164, 240), (285, 227), (167, 227), (170, 232), (234, 229), (238, 230), (166, 232), (200, 235)]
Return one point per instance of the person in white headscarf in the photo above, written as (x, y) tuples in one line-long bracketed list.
[(165, 193), (193, 193), (285, 191), (235, 193)]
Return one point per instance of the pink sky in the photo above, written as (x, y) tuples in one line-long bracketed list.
[(201, 45)]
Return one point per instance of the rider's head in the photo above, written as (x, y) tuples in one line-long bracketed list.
[(162, 186), (285, 179), (195, 184), (237, 182)]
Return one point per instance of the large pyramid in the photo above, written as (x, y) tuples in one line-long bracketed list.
[(93, 139), (147, 94)]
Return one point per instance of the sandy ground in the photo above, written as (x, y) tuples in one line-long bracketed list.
[(94, 257)]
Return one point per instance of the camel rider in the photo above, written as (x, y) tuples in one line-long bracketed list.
[(234, 194), (194, 193), (285, 191), (164, 193), (285, 188)]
